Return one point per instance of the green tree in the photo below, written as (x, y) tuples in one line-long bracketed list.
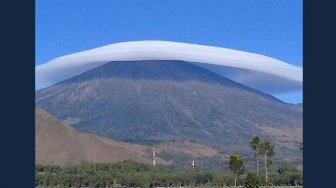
[(255, 145), (288, 174), (267, 150), (236, 164), (301, 146), (252, 181)]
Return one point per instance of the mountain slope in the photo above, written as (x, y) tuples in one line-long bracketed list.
[(60, 144), (155, 101)]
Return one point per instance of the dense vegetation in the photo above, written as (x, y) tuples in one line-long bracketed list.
[(134, 174)]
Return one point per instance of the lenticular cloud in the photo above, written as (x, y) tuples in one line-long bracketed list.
[(254, 70)]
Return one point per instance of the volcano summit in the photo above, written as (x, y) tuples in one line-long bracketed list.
[(254, 70)]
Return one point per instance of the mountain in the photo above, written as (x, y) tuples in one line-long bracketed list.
[(154, 102)]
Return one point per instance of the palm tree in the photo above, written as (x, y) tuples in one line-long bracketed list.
[(236, 164), (255, 145), (267, 150)]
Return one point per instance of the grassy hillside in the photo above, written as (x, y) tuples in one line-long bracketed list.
[(60, 144)]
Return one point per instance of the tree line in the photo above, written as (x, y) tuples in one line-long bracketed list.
[(264, 150), (134, 174)]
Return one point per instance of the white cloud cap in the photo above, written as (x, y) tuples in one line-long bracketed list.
[(257, 71)]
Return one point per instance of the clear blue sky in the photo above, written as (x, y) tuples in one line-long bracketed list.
[(269, 27)]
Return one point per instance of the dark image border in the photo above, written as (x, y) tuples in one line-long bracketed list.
[(18, 93)]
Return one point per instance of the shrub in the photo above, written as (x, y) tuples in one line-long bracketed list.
[(252, 181)]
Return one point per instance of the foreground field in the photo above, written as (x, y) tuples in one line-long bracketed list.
[(135, 174)]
